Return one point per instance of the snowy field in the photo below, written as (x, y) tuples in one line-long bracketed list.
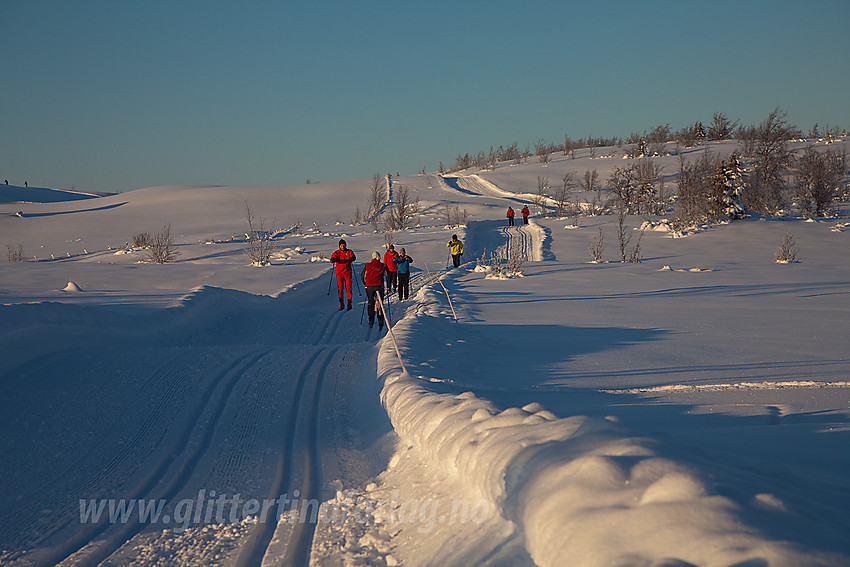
[(691, 409)]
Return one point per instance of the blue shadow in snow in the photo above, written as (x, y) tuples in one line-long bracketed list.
[(57, 213), (517, 357)]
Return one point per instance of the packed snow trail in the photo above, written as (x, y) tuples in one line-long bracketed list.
[(228, 394)]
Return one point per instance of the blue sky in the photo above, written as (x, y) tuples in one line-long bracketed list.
[(107, 95)]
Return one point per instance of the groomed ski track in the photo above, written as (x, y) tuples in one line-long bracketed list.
[(224, 394)]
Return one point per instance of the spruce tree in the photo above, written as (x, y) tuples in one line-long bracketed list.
[(734, 183)]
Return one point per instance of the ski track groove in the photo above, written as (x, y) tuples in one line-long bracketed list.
[(298, 550), (179, 477), (300, 542), (164, 384), (178, 461)]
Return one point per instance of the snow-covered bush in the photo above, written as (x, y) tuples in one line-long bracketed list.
[(788, 250), (455, 216)]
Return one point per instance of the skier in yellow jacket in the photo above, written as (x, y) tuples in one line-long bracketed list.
[(456, 248)]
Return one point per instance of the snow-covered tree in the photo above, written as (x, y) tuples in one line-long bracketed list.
[(732, 173)]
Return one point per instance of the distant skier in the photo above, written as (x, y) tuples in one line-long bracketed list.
[(392, 274), (525, 212), (402, 263), (456, 248), (510, 215), (343, 258), (373, 280)]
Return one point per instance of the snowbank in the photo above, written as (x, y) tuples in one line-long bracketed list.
[(578, 487)]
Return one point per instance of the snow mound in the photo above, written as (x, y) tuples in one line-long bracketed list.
[(72, 288)]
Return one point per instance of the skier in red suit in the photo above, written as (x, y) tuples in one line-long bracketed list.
[(392, 272), (343, 258), (373, 280)]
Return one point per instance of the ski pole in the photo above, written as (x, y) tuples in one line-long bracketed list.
[(362, 313), (354, 277), (330, 283), (392, 336), (447, 260)]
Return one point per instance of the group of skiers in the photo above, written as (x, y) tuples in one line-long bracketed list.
[(525, 212), (395, 268), (394, 272)]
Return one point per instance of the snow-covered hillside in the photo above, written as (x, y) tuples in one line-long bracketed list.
[(691, 409)]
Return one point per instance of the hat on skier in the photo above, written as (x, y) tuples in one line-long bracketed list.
[(341, 241), (376, 255)]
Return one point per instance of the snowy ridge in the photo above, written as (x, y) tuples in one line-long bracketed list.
[(572, 485), (766, 385)]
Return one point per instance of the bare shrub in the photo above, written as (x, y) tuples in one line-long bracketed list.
[(258, 240), (539, 198), (721, 128), (635, 256), (770, 150), (648, 175), (516, 257), (377, 198), (701, 192), (455, 216), (634, 186), (623, 182), (597, 247), (817, 179), (142, 240), (623, 237), (401, 212), (657, 139), (787, 250), (746, 136), (691, 136), (15, 253), (162, 248), (541, 150), (562, 194)]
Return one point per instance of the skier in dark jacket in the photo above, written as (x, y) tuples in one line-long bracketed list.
[(373, 280), (343, 258), (402, 263)]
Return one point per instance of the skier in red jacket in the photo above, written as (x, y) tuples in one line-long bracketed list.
[(525, 212), (392, 271), (373, 281), (343, 258), (510, 215)]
